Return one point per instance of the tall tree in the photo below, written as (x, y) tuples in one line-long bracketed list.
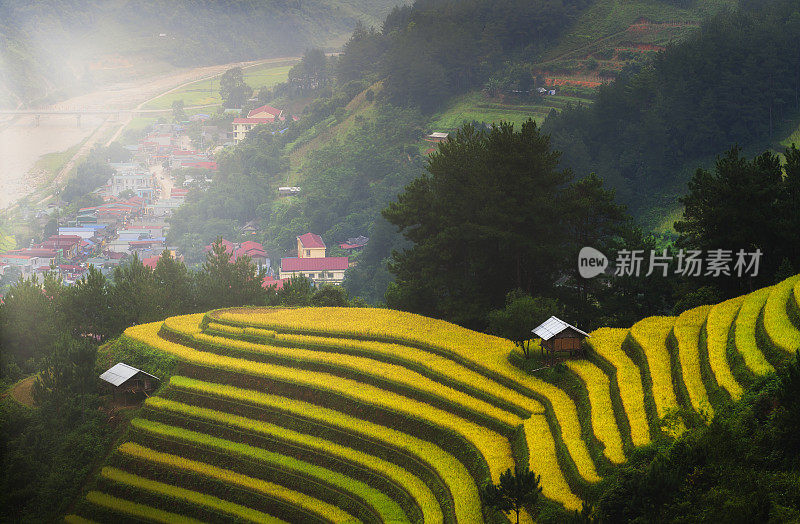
[(714, 216), (31, 318), (134, 295), (233, 89), (592, 219), (175, 285), (178, 114), (485, 219), (87, 305), (223, 282), (312, 73), (515, 491), (521, 314)]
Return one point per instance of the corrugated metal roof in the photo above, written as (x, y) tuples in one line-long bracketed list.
[(552, 327), (119, 373)]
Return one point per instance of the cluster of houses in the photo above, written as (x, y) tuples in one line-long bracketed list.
[(103, 236), (168, 143), (133, 219), (311, 261)]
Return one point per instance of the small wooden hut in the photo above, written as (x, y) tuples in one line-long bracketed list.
[(559, 337), (128, 380)]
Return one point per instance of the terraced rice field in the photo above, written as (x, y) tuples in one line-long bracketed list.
[(372, 415)]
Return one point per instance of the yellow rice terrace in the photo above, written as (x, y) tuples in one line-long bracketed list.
[(372, 415)]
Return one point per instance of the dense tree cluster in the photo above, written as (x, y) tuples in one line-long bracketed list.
[(714, 216), (735, 81)]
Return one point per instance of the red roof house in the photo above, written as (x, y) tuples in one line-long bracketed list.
[(266, 112), (314, 264), (318, 269), (151, 262), (310, 245)]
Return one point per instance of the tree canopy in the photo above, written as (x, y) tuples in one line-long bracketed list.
[(492, 214)]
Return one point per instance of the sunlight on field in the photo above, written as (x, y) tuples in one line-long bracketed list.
[(206, 92)]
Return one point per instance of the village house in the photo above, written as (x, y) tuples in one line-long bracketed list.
[(288, 191), (140, 183), (437, 137), (258, 116), (354, 244), (254, 250), (319, 270), (127, 380), (311, 262), (67, 245), (310, 245), (559, 337), (26, 264)]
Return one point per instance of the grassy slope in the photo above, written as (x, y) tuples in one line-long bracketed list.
[(476, 106), (330, 129)]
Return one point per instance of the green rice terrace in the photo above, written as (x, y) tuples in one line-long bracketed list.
[(373, 415)]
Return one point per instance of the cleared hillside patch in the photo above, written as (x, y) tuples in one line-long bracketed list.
[(206, 92)]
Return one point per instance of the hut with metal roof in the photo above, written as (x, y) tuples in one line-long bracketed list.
[(129, 380), (559, 337)]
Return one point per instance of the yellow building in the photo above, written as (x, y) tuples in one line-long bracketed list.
[(310, 246)]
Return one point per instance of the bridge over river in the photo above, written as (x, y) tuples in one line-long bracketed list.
[(78, 112)]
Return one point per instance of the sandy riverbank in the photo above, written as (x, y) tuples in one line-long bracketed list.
[(22, 144)]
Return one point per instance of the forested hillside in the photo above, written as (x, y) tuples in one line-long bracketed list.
[(735, 82), (74, 42)]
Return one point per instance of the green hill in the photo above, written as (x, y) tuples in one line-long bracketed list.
[(337, 414)]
